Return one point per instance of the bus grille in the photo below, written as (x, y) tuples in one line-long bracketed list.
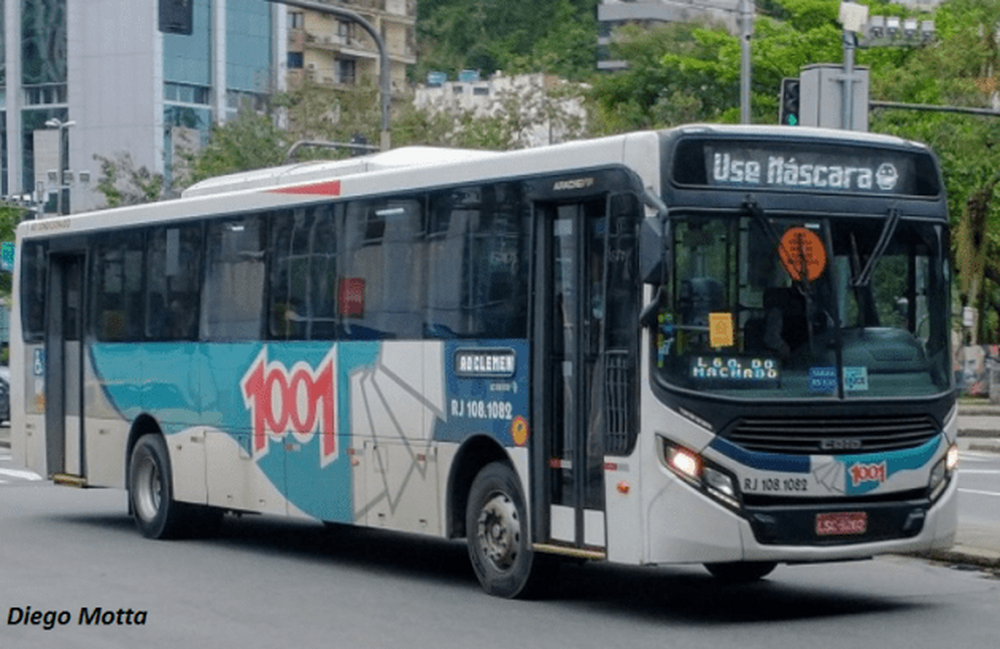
[(827, 436)]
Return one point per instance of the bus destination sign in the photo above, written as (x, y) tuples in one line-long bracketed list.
[(774, 168)]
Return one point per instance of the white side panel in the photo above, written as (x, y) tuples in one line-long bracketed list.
[(392, 419), (623, 507), (234, 481), (106, 459), (563, 523), (593, 528), (402, 488), (187, 460), (29, 447), (686, 527)]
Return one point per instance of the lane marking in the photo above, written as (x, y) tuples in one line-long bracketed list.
[(979, 493), (978, 456), (980, 471), (24, 475)]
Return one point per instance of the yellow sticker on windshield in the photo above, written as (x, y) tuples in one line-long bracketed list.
[(720, 329)]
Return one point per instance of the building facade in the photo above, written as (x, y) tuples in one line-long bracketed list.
[(336, 53), (614, 13), (541, 109), (96, 77)]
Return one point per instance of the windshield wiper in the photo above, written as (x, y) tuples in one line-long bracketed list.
[(864, 278), (753, 208), (802, 283)]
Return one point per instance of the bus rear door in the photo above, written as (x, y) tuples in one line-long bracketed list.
[(65, 456)]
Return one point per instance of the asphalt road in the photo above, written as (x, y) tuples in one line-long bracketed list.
[(266, 582)]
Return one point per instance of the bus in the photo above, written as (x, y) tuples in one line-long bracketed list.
[(717, 345)]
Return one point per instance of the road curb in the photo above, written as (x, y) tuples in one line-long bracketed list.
[(962, 556)]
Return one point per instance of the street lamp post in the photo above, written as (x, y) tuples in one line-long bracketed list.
[(383, 73), (61, 126), (747, 8)]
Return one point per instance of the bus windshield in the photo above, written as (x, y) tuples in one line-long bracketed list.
[(811, 306)]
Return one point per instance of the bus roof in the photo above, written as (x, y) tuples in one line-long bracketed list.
[(423, 167), (413, 156)]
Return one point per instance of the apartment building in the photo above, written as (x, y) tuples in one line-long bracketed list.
[(337, 53), (614, 13)]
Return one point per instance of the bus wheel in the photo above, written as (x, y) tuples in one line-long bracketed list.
[(499, 545), (741, 572), (151, 492)]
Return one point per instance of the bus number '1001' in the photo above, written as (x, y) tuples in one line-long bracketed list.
[(477, 409), (299, 401)]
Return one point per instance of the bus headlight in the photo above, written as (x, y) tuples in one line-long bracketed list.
[(942, 471), (694, 470)]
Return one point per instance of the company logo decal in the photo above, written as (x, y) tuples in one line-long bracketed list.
[(485, 363), (297, 401), (863, 473)]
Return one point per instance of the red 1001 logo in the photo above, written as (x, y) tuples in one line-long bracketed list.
[(299, 401)]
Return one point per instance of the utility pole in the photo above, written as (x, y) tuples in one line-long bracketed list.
[(385, 87)]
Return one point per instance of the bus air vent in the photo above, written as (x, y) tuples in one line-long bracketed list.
[(832, 435)]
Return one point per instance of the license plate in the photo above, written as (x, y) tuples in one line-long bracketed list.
[(841, 524)]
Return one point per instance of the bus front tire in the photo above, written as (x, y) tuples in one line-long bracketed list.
[(498, 537), (150, 491), (741, 572)]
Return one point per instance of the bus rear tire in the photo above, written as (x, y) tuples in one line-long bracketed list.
[(150, 491), (741, 572), (498, 537)]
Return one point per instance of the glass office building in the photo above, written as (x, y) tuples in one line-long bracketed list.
[(103, 71)]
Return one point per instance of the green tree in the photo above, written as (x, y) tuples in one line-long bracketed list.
[(250, 141), (122, 182), (556, 36), (962, 68), (687, 72), (10, 216)]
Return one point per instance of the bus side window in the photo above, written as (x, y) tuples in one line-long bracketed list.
[(118, 289), (380, 287), (233, 297), (477, 264), (289, 311), (33, 277), (173, 258)]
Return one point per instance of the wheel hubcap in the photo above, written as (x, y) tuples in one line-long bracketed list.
[(499, 531), (147, 488)]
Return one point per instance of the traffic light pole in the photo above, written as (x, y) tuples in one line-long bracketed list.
[(746, 33), (847, 119)]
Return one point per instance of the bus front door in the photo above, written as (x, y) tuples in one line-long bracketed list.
[(64, 369), (570, 290)]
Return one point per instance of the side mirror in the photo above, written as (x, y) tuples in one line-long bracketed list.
[(653, 250), (654, 235)]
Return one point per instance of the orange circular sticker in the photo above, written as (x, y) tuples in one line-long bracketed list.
[(802, 254), (519, 431)]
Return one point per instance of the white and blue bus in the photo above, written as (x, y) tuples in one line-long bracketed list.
[(716, 345)]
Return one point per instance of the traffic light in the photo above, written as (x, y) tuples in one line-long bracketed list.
[(788, 111)]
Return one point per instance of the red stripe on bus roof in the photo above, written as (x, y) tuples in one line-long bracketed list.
[(328, 188)]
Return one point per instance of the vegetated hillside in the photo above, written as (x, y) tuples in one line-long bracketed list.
[(556, 36)]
